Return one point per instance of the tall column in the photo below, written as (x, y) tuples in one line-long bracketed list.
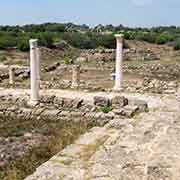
[(38, 57), (75, 76), (34, 66), (119, 63), (11, 75)]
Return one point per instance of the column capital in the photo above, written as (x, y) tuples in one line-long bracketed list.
[(33, 43), (119, 37)]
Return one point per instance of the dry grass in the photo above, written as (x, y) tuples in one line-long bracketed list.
[(60, 135)]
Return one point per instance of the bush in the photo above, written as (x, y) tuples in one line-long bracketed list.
[(177, 44), (7, 41), (163, 38), (46, 39), (125, 45), (67, 60), (3, 58), (107, 41), (105, 109), (23, 44), (78, 40)]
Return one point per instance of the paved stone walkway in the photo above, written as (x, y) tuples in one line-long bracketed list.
[(146, 147)]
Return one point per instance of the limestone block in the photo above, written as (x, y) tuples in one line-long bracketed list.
[(101, 101), (142, 105), (119, 102)]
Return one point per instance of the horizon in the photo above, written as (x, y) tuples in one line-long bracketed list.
[(91, 26), (130, 13)]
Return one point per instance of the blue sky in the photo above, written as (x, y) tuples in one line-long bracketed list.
[(92, 12)]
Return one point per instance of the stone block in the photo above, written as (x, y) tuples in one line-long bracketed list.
[(68, 103), (51, 114), (47, 99), (58, 101), (119, 102), (142, 105), (127, 111), (77, 103), (101, 101)]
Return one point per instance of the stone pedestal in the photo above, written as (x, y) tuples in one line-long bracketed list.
[(75, 76), (119, 63), (11, 75), (35, 75)]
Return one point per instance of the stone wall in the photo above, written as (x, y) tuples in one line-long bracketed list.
[(100, 111), (109, 55)]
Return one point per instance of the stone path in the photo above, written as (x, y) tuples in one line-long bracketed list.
[(146, 147)]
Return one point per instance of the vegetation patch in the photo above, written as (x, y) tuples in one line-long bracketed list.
[(59, 134)]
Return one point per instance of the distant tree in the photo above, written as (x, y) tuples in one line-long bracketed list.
[(7, 41), (23, 44), (46, 39), (55, 28), (107, 41), (177, 44), (78, 40), (164, 38)]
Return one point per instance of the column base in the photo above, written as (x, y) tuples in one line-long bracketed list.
[(33, 103), (11, 83), (115, 89), (75, 86)]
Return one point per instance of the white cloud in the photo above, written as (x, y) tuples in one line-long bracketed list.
[(142, 2)]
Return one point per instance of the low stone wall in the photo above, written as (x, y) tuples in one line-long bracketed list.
[(109, 55), (100, 111)]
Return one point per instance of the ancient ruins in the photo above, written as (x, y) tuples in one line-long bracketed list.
[(134, 118)]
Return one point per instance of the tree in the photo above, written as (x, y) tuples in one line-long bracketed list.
[(7, 41), (177, 44), (46, 39), (23, 44), (107, 41)]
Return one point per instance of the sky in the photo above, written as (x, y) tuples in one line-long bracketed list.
[(133, 13)]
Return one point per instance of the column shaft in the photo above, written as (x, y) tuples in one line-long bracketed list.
[(11, 75), (75, 76), (34, 63), (119, 63)]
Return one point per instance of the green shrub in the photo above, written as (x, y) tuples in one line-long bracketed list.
[(177, 44), (67, 60), (3, 58), (78, 40), (107, 41), (46, 39), (125, 45), (7, 41), (105, 109), (160, 40), (23, 44)]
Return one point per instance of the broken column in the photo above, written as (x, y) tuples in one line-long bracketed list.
[(11, 75), (34, 66), (119, 63), (75, 76)]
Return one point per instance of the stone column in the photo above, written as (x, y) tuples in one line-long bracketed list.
[(75, 76), (38, 57), (34, 66), (119, 63), (11, 75)]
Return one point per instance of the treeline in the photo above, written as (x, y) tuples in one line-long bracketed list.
[(83, 36)]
